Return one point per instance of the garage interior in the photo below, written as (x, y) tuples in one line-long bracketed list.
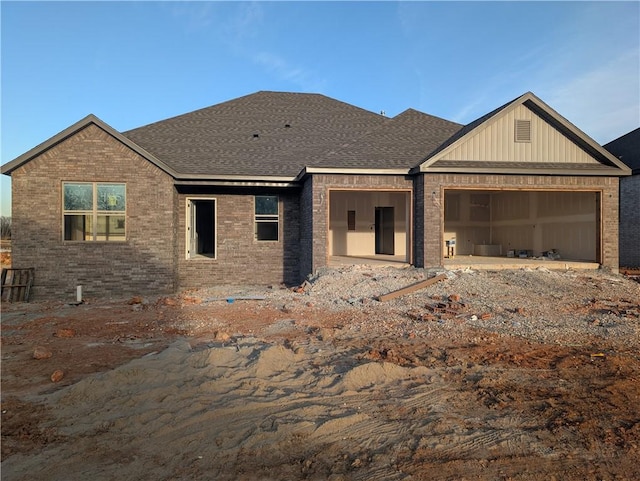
[(522, 224), (372, 225)]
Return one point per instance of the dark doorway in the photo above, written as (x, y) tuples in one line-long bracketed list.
[(385, 233), (202, 228)]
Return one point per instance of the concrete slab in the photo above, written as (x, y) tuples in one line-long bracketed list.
[(463, 262), (498, 263)]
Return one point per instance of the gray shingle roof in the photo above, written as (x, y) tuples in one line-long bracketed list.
[(262, 134), (402, 142), (627, 149)]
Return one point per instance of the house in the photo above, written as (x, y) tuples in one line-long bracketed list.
[(268, 187), (627, 149)]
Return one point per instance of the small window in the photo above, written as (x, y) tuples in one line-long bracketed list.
[(201, 228), (266, 217), (351, 220), (523, 131), (94, 211)]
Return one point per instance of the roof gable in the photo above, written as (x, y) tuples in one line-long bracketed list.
[(71, 131), (555, 147)]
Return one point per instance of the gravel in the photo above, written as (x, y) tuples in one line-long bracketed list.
[(565, 307)]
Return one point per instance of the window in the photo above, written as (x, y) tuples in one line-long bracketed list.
[(351, 220), (94, 211), (266, 218), (201, 228)]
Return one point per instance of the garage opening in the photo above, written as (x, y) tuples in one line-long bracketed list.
[(522, 224), (369, 226)]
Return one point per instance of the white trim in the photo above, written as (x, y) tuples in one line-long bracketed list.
[(187, 227)]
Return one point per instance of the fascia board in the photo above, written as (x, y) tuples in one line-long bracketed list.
[(72, 130), (236, 180), (519, 171), (236, 183), (334, 170), (232, 178), (337, 170)]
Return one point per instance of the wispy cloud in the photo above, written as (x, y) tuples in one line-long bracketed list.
[(243, 30), (197, 16), (603, 101), (285, 71), (245, 23)]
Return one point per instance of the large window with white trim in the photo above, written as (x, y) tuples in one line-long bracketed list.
[(267, 219), (94, 211)]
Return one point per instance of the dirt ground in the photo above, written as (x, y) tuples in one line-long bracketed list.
[(283, 384)]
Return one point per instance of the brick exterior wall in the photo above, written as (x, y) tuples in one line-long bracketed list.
[(153, 258), (240, 259), (434, 186), (143, 264), (306, 266), (418, 221), (320, 188), (630, 221)]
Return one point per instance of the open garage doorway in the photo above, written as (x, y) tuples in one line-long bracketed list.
[(369, 226), (523, 224)]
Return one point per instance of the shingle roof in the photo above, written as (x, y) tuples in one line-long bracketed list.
[(274, 136), (627, 149), (262, 134), (400, 143)]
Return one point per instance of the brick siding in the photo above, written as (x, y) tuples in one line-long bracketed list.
[(630, 221), (320, 188), (306, 265), (143, 264), (153, 259), (240, 259), (434, 186)]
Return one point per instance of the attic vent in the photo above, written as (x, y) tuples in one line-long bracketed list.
[(523, 131)]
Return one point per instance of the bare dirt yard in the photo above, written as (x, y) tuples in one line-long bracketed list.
[(502, 375)]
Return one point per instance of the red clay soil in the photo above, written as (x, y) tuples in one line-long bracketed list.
[(582, 396)]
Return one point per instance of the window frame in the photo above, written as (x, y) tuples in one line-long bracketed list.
[(351, 221), (94, 214), (188, 229), (266, 219)]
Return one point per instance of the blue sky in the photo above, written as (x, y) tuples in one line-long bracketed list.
[(133, 63)]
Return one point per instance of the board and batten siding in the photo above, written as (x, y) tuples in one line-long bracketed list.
[(496, 142)]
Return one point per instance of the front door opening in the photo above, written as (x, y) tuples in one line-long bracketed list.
[(385, 232), (201, 228)]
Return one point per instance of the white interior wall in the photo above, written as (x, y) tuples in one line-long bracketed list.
[(520, 220), (361, 242), (466, 223)]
